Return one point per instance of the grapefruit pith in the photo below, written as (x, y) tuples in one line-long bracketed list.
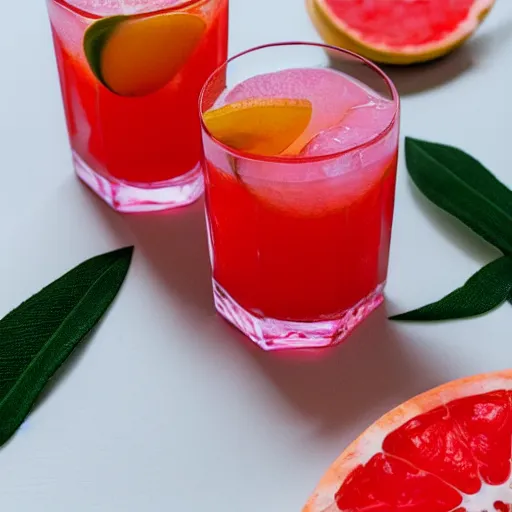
[(448, 450), (398, 31)]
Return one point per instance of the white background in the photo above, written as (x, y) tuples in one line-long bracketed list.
[(167, 408)]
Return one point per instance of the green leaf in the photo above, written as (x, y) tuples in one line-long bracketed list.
[(460, 185), (38, 336), (95, 39), (484, 291)]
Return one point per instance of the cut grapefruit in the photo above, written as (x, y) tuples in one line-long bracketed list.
[(398, 31), (448, 450)]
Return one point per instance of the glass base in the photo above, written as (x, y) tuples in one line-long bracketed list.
[(272, 334), (138, 197)]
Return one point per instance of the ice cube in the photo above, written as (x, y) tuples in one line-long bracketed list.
[(361, 124)]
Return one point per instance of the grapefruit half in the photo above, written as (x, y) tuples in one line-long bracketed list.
[(448, 450), (398, 31)]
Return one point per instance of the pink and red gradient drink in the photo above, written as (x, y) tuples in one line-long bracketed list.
[(138, 153), (300, 241)]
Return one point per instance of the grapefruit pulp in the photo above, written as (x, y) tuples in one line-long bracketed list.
[(448, 450), (398, 31)]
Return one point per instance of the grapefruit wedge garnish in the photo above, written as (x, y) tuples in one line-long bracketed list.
[(135, 56), (398, 31), (448, 450), (263, 126)]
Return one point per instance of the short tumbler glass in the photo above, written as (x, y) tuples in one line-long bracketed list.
[(131, 72), (299, 243)]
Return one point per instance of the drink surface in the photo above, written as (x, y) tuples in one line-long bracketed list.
[(145, 139), (113, 7), (306, 240)]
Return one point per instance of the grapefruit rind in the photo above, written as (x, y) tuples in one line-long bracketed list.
[(136, 56), (371, 440), (337, 33), (262, 126)]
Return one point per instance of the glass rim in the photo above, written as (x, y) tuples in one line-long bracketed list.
[(303, 159), (185, 4)]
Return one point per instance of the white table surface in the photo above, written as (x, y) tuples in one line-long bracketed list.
[(167, 408)]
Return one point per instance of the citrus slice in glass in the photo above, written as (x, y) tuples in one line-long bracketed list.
[(136, 56), (263, 126)]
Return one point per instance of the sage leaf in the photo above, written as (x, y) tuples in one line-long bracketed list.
[(463, 187), (37, 337), (484, 291)]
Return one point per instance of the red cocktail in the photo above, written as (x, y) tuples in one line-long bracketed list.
[(131, 73), (299, 216)]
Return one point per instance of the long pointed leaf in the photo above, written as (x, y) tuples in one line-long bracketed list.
[(39, 335), (483, 292), (463, 187)]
